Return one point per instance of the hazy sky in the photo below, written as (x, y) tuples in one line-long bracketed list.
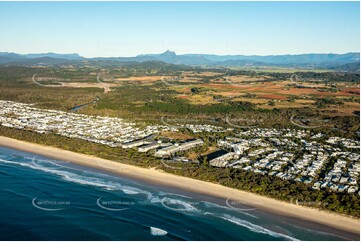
[(131, 28)]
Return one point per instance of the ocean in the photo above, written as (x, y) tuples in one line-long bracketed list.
[(47, 199)]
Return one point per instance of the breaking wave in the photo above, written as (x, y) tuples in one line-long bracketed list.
[(179, 205), (213, 205), (255, 228), (157, 232), (81, 179)]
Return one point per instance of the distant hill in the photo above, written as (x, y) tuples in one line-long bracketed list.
[(9, 58), (341, 62), (73, 56), (219, 60), (349, 67)]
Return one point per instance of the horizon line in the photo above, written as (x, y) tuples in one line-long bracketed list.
[(87, 57)]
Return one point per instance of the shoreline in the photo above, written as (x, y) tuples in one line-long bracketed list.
[(337, 221)]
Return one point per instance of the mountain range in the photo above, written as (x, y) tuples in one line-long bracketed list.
[(331, 61)]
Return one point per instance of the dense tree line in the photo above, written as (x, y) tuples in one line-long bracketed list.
[(330, 76)]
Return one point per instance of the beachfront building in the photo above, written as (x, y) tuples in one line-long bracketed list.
[(148, 147), (135, 143), (222, 161), (171, 150)]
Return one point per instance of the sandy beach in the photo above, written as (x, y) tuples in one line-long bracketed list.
[(333, 220)]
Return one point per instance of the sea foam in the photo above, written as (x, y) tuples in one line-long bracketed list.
[(254, 228), (157, 231)]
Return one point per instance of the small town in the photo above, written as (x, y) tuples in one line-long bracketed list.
[(312, 158)]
